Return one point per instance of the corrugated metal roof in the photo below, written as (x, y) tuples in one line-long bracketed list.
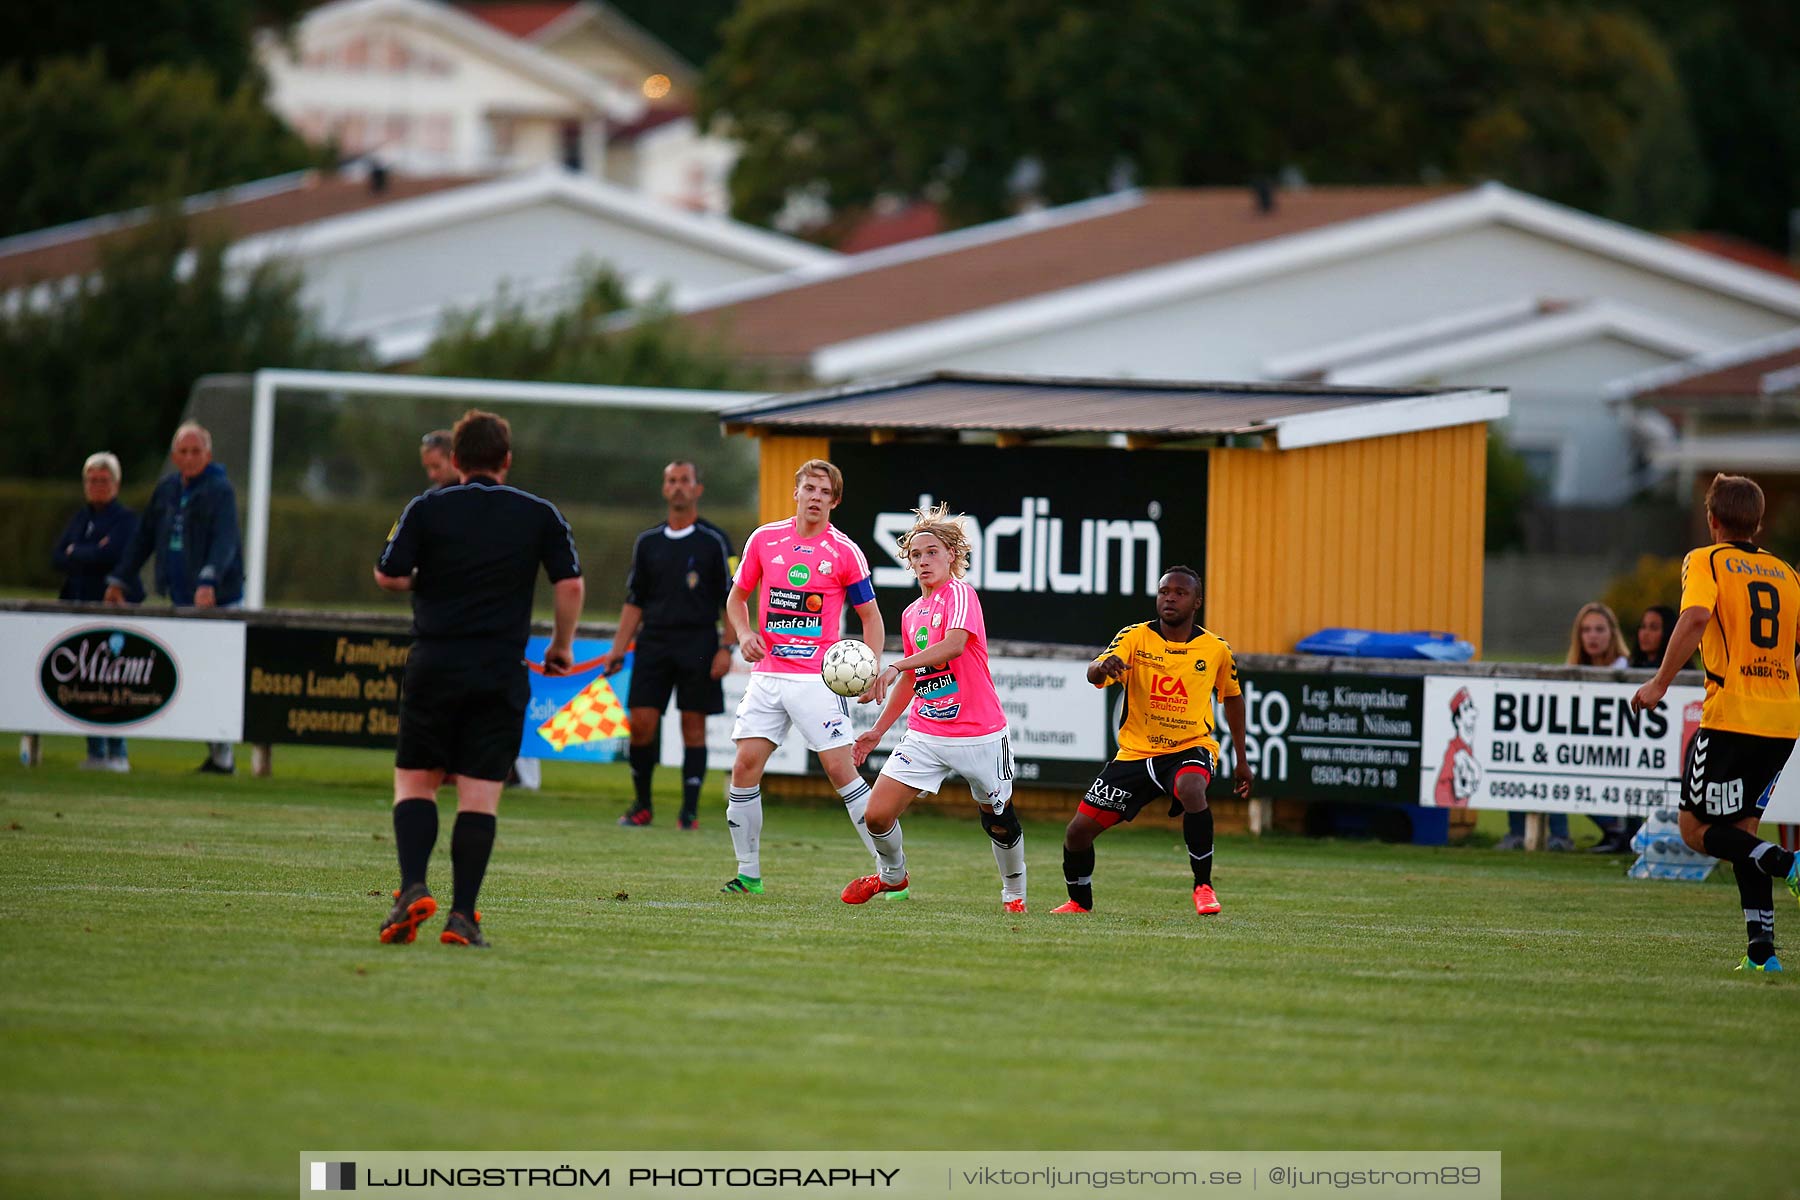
[(950, 402)]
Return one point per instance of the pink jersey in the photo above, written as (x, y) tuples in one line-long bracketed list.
[(957, 698), (801, 610)]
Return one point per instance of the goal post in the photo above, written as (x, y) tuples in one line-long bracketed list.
[(266, 385)]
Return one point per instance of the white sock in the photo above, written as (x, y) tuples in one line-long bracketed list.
[(1011, 861), (891, 854), (743, 816), (856, 803)]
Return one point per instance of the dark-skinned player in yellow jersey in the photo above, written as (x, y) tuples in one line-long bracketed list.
[(1170, 668)]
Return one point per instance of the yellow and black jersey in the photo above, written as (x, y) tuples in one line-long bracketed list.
[(1749, 645), (1168, 689)]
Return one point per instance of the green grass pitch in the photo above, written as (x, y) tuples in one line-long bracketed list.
[(192, 993)]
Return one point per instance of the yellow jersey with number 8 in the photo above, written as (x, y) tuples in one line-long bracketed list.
[(1749, 645)]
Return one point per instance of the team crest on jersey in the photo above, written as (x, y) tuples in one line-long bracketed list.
[(1200, 667), (825, 567), (937, 619), (693, 580)]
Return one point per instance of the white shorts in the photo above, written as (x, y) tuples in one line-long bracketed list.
[(772, 702), (923, 761)]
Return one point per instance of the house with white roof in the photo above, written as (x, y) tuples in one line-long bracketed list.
[(431, 88), (386, 257), (1389, 286)]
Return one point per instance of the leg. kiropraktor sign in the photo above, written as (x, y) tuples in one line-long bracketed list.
[(109, 676)]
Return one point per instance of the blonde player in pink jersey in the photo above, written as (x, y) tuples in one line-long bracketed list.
[(956, 725), (802, 571)]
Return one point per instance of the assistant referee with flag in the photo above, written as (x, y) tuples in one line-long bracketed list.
[(469, 554)]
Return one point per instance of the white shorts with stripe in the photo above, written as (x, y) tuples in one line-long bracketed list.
[(923, 761), (772, 702)]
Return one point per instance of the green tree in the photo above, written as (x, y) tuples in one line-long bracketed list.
[(690, 28), (1510, 489), (131, 36), (108, 361), (1738, 60), (599, 456), (969, 100), (75, 143)]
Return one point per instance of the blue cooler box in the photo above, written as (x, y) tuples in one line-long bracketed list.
[(1370, 643)]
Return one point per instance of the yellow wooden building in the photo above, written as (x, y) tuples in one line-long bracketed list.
[(1325, 506)]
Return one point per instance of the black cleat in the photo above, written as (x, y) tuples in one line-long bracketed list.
[(209, 767), (689, 820), (412, 908), (636, 816), (462, 931)]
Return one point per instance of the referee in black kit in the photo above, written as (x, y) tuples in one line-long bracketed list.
[(469, 554), (680, 573)]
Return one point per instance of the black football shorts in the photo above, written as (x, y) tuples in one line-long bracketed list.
[(1123, 787), (1729, 776), (462, 717), (678, 663)]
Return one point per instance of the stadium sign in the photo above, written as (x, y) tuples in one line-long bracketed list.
[(1331, 737), (1067, 544), (150, 677), (1541, 745), (109, 676), (323, 687)]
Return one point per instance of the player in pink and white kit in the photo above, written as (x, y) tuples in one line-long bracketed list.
[(956, 726), (802, 571)]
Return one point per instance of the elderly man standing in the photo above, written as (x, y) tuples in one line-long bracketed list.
[(191, 526), (86, 552)]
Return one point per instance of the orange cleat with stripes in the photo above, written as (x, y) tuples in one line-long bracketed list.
[(1015, 906), (411, 909), (1068, 906), (1206, 901), (867, 887)]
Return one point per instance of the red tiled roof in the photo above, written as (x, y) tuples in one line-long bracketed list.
[(1739, 250), (1743, 379), (876, 230), (1167, 227), (313, 198), (520, 20)]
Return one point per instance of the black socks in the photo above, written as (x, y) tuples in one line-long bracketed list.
[(471, 842), (415, 833), (1078, 874), (1197, 831), (1735, 846), (643, 766), (693, 773)]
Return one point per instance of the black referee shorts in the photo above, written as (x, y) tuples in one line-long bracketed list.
[(463, 711), (679, 662), (1729, 776)]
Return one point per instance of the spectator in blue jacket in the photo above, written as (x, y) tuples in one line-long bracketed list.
[(191, 526), (86, 552)]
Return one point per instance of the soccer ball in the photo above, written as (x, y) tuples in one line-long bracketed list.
[(849, 667)]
